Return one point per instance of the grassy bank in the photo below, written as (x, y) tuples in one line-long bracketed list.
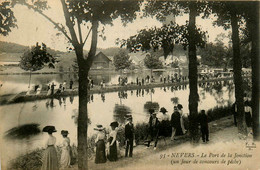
[(33, 160)]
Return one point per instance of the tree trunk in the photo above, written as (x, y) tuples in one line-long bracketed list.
[(254, 34), (84, 67), (193, 76), (30, 80), (83, 113), (237, 67)]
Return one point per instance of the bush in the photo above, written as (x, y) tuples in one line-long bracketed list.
[(219, 112), (33, 160), (28, 161)]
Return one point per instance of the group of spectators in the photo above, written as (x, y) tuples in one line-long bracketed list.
[(161, 126), (62, 87)]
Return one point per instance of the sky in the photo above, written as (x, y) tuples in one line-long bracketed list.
[(32, 28)]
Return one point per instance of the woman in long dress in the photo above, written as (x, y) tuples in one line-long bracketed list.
[(165, 123), (50, 158), (65, 150), (100, 145), (112, 156)]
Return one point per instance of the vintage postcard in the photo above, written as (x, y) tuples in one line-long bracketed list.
[(129, 85)]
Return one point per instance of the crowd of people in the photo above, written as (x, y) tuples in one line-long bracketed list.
[(122, 81), (62, 87), (163, 126), (106, 144)]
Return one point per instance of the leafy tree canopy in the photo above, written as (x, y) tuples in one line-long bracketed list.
[(152, 62), (37, 58), (7, 19), (161, 9), (122, 60), (164, 37)]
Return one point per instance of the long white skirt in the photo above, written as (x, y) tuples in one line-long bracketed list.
[(65, 158)]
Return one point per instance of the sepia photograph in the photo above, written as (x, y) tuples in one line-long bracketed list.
[(129, 85)]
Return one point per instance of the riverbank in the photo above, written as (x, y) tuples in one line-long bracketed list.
[(222, 133), (23, 97)]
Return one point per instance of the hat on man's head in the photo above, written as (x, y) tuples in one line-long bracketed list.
[(49, 129), (163, 110), (151, 111), (114, 124), (129, 117), (64, 132), (179, 106), (99, 128)]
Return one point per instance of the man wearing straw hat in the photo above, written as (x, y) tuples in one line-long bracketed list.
[(129, 136)]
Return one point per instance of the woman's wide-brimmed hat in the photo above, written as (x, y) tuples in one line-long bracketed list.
[(99, 128), (64, 132), (179, 106), (114, 124), (49, 129), (163, 110)]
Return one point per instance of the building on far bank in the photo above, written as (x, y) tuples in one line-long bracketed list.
[(171, 59), (101, 61), (137, 58)]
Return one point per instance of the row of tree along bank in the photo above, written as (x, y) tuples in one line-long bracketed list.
[(22, 97)]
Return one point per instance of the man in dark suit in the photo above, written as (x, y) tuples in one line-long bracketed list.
[(203, 120), (129, 136), (153, 129)]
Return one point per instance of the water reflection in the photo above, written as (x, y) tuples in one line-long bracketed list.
[(102, 97), (71, 99), (50, 103), (175, 100), (151, 105), (120, 112), (217, 90), (107, 107), (23, 131)]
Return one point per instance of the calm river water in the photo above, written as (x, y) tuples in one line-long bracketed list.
[(102, 109)]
